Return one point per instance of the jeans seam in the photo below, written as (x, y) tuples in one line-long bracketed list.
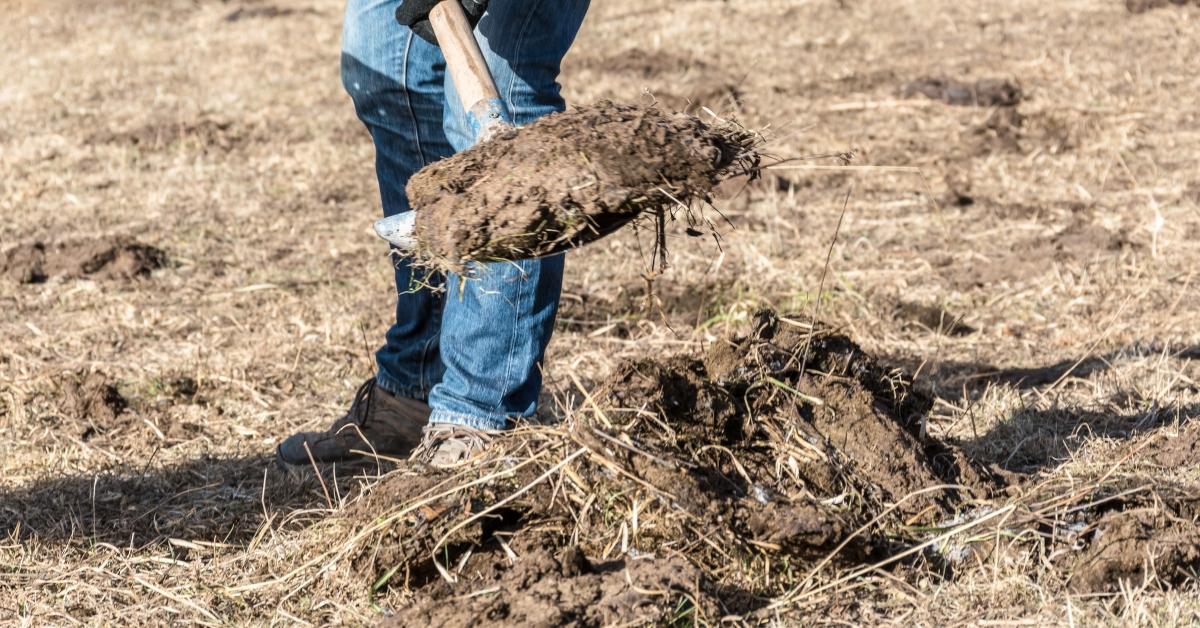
[(422, 378), (512, 81), (524, 282), (412, 115)]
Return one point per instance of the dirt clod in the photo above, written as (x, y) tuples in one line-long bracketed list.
[(547, 588), (568, 179), (106, 258), (93, 401), (1181, 450), (1132, 546)]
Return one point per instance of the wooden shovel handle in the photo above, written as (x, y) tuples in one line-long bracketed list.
[(468, 69)]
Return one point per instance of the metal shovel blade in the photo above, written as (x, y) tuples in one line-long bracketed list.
[(398, 230)]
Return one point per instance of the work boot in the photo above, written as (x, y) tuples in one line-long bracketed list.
[(378, 423), (446, 445)]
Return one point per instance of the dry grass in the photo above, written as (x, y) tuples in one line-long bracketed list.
[(229, 144)]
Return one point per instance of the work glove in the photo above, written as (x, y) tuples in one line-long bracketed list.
[(415, 15)]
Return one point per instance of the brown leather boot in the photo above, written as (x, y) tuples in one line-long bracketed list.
[(378, 423)]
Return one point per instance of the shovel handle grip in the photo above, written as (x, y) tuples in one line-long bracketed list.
[(468, 69)]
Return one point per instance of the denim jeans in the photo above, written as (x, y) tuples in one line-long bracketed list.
[(472, 348)]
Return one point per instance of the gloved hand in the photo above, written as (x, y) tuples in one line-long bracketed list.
[(415, 15)]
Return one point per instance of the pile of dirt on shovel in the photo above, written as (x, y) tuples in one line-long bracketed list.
[(688, 488), (568, 179)]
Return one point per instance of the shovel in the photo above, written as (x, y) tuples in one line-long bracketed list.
[(486, 115)]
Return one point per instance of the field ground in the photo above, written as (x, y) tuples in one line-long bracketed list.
[(1030, 254)]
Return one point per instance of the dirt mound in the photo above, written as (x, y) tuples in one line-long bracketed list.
[(112, 257), (1134, 546), (568, 179), (93, 404), (981, 93), (692, 480)]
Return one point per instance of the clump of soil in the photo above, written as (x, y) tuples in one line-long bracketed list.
[(111, 258), (568, 179), (692, 479), (549, 587), (1133, 546), (94, 402), (981, 93), (1180, 451)]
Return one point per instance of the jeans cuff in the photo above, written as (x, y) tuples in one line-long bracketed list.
[(386, 382), (466, 420)]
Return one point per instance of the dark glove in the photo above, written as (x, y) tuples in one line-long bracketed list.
[(415, 15)]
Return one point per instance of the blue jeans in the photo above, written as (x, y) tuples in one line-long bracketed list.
[(473, 348)]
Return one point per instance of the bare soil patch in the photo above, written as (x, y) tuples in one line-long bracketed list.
[(103, 258), (569, 179), (1078, 244), (1143, 544), (204, 133), (1181, 451), (934, 318), (982, 93)]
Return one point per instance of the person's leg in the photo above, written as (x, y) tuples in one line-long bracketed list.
[(396, 81), (496, 325)]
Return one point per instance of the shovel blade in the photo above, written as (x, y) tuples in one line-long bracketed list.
[(398, 230)]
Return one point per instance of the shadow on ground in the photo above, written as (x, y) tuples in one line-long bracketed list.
[(1031, 440), (222, 500), (1045, 435), (966, 380)]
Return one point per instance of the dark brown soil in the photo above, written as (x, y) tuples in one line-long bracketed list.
[(732, 461), (981, 93), (568, 179), (1134, 546), (550, 587), (92, 404), (91, 396), (105, 258), (1182, 450)]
